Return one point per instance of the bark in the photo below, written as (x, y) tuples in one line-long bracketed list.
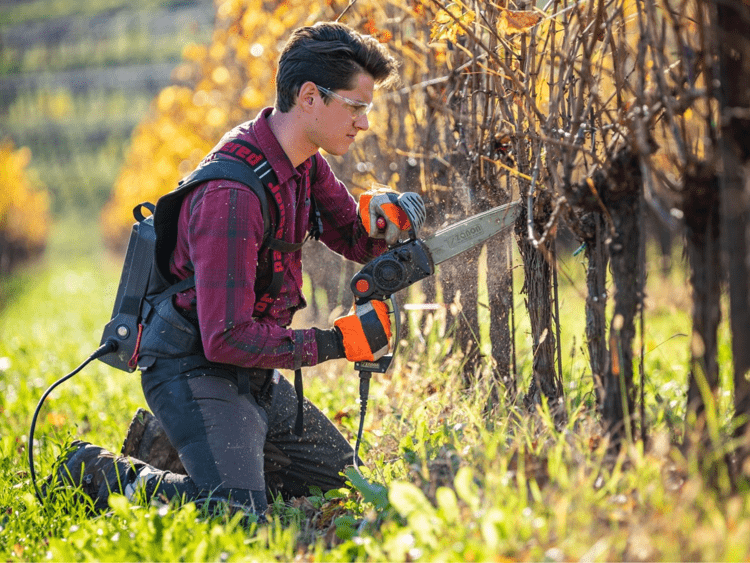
[(596, 300), (662, 233), (146, 440), (622, 199), (701, 210), (615, 193), (500, 292), (546, 382), (732, 28)]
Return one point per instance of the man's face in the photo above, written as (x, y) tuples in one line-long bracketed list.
[(339, 122)]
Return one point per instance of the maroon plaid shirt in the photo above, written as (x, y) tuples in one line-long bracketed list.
[(219, 240)]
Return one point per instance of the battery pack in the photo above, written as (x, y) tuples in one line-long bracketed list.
[(137, 269)]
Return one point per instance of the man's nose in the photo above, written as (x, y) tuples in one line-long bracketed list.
[(362, 123)]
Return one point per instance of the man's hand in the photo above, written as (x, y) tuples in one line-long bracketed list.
[(366, 331), (401, 213)]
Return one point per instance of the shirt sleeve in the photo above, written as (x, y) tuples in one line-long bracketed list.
[(225, 234), (343, 231)]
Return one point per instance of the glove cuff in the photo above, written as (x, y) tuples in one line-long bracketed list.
[(330, 344)]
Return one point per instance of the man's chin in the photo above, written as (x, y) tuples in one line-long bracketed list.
[(336, 151)]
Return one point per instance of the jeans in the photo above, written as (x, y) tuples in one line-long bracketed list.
[(242, 446)]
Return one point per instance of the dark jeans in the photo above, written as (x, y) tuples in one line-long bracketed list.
[(232, 446)]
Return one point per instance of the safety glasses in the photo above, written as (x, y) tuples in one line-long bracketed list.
[(358, 109)]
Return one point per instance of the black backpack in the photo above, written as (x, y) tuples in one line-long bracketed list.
[(145, 282)]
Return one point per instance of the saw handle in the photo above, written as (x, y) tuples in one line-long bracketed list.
[(381, 365)]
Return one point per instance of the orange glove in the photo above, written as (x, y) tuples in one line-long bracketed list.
[(366, 332), (399, 212)]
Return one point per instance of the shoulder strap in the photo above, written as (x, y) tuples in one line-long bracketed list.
[(253, 170), (235, 171), (168, 207), (316, 223)]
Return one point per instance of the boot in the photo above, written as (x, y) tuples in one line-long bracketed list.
[(147, 441), (97, 471)]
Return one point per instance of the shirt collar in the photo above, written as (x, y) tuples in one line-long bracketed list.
[(269, 145)]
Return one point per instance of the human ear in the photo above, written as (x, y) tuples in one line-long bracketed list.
[(308, 95)]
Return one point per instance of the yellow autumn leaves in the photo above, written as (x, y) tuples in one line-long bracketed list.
[(227, 81), (453, 19), (24, 206)]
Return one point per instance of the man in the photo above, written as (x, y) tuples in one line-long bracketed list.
[(241, 430)]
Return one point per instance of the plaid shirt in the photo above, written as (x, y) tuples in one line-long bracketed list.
[(219, 240)]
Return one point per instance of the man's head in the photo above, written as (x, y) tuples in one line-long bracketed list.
[(331, 55)]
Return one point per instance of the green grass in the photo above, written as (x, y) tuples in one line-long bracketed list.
[(450, 478)]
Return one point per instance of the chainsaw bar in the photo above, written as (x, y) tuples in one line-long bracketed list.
[(464, 235)]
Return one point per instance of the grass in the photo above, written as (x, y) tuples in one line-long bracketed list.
[(450, 476)]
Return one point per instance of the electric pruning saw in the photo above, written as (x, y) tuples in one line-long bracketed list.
[(411, 261)]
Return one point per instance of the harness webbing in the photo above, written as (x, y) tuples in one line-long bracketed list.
[(250, 167)]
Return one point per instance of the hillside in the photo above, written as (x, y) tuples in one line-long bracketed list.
[(75, 79)]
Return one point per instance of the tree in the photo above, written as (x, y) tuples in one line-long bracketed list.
[(24, 209), (732, 37), (592, 114)]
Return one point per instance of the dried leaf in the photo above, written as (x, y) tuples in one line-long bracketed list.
[(543, 337), (56, 419), (515, 21), (382, 35)]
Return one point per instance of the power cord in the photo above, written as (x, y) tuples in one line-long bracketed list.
[(109, 346), (364, 392)]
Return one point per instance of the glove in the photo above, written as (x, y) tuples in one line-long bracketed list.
[(402, 212), (366, 332)]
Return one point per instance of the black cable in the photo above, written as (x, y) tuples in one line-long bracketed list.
[(364, 392), (109, 346)]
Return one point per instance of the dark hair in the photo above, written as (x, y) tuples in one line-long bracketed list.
[(330, 55)]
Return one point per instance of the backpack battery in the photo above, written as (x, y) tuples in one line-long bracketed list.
[(123, 328)]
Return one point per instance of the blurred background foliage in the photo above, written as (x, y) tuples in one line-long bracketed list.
[(75, 80), (24, 208)]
